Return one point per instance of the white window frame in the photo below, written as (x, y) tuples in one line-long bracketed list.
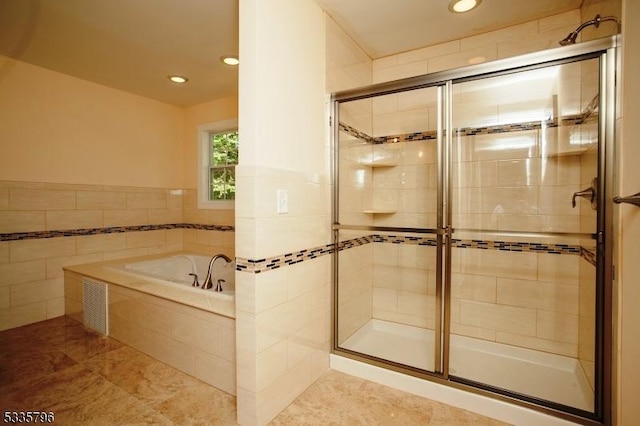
[(203, 163)]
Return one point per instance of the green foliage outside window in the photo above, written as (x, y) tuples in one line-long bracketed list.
[(224, 158)]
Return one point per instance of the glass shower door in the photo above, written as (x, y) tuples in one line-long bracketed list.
[(388, 297), (524, 177)]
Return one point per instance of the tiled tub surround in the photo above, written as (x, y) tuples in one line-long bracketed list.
[(45, 226), (190, 329)]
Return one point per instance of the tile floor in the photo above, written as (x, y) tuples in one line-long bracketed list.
[(84, 378)]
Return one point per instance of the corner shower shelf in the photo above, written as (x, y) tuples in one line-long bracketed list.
[(379, 211)]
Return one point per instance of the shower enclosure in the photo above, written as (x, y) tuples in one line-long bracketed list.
[(472, 227)]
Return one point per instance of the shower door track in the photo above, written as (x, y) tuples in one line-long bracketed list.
[(603, 49)]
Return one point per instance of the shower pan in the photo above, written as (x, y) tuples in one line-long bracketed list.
[(467, 249)]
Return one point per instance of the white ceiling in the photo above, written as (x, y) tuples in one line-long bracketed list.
[(132, 45)]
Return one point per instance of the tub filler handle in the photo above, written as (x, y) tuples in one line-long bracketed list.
[(195, 280), (219, 285)]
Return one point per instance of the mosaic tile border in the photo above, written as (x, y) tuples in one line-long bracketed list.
[(588, 115), (588, 254), (288, 259), (271, 263), (18, 236)]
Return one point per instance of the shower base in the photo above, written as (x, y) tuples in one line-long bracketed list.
[(547, 376)]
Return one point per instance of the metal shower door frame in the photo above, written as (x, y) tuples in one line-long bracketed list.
[(605, 50)]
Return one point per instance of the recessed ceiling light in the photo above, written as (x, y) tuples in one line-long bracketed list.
[(178, 79), (230, 59), (459, 6)]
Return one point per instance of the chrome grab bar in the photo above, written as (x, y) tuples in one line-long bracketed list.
[(632, 199)]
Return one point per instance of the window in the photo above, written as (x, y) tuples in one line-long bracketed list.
[(223, 157), (218, 158)]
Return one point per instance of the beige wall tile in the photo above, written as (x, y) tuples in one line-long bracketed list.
[(4, 252), (494, 37), (428, 52), (473, 287), (41, 199), (559, 269), (73, 219), (562, 20), (4, 198), (36, 291), (174, 198), (5, 297), (126, 217), (558, 327), (20, 272), (102, 200), (22, 221), (532, 43), (146, 200), (122, 254), (42, 248), (100, 243), (498, 317), (162, 216), (22, 315), (495, 263), (55, 307), (55, 265), (461, 59), (541, 295)]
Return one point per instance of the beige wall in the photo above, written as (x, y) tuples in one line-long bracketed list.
[(58, 128)]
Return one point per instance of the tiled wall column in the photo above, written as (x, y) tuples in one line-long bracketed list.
[(282, 314)]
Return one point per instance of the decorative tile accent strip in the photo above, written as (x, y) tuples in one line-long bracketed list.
[(588, 254), (271, 263), (16, 236), (267, 264), (573, 120)]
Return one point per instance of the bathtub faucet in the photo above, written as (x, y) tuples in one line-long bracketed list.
[(208, 281)]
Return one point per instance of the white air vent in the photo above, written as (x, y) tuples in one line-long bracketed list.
[(94, 303)]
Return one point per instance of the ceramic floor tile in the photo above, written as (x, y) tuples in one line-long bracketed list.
[(58, 365), (25, 365), (340, 399), (200, 405)]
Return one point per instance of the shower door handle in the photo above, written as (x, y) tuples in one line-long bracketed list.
[(632, 199), (589, 194)]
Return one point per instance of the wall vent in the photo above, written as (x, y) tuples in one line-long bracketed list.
[(94, 304)]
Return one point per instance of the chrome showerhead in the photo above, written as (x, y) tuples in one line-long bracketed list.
[(571, 38)]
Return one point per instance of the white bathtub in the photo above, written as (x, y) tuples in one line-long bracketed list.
[(175, 270)]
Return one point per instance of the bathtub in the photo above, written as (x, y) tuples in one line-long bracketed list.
[(175, 270), (152, 307)]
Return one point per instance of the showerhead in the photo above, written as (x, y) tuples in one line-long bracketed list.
[(571, 38)]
